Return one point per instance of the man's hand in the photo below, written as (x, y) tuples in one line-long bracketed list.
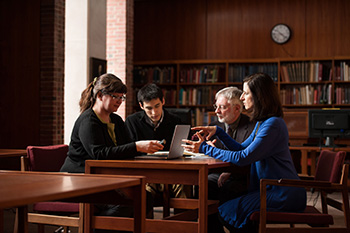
[(222, 179), (148, 146)]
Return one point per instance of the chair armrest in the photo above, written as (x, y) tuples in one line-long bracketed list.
[(306, 177), (301, 183)]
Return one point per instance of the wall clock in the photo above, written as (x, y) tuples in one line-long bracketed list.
[(281, 33)]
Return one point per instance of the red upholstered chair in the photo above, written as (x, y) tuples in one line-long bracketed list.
[(50, 159), (331, 176)]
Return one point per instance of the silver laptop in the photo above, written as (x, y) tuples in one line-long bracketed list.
[(176, 150)]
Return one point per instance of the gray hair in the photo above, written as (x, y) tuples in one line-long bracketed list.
[(232, 94)]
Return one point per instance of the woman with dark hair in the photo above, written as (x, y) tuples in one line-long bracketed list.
[(100, 134), (266, 149)]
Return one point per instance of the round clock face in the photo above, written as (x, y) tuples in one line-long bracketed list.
[(281, 33)]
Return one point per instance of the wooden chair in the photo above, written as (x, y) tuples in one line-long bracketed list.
[(50, 159), (331, 176)]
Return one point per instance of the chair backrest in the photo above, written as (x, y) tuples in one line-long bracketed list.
[(46, 158), (183, 113), (329, 166)]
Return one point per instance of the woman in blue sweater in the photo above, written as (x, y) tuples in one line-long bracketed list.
[(266, 149)]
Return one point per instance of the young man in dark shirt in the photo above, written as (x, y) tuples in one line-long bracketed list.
[(154, 123)]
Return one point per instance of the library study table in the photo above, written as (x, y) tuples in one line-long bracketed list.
[(187, 171), (19, 189)]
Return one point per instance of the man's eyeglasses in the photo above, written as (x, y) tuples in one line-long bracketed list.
[(221, 107), (122, 98)]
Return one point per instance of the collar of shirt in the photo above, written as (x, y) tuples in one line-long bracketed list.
[(155, 126)]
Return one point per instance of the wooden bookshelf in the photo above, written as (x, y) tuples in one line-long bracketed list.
[(302, 83)]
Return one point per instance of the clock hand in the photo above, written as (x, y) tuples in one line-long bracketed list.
[(284, 36)]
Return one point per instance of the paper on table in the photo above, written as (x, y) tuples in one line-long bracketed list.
[(188, 153)]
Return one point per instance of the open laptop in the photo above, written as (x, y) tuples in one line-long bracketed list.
[(176, 150)]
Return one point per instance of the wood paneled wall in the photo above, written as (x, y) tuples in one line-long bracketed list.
[(19, 73), (31, 72), (328, 28), (169, 29), (235, 29)]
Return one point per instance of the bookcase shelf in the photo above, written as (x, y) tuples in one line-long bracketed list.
[(305, 83), (302, 82), (203, 84)]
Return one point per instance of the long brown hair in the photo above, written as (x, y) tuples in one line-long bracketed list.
[(106, 83), (265, 96)]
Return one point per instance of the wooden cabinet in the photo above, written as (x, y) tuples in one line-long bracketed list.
[(302, 83)]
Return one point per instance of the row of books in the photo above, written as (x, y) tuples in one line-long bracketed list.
[(164, 75), (342, 95), (306, 72), (237, 72), (196, 96), (307, 95), (312, 71), (204, 74), (169, 96), (342, 72)]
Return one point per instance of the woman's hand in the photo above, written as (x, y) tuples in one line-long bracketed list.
[(148, 146), (206, 131), (193, 146)]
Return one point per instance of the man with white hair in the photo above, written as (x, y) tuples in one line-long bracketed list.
[(226, 186)]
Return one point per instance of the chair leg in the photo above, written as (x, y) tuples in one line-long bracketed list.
[(58, 230), (15, 227), (324, 202), (1, 219), (345, 197), (21, 215), (166, 198)]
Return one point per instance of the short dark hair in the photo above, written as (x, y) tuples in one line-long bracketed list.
[(265, 96), (149, 92)]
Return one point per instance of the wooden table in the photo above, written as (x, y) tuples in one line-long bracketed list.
[(4, 153), (187, 171), (18, 189), (313, 150), (10, 159), (10, 154)]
